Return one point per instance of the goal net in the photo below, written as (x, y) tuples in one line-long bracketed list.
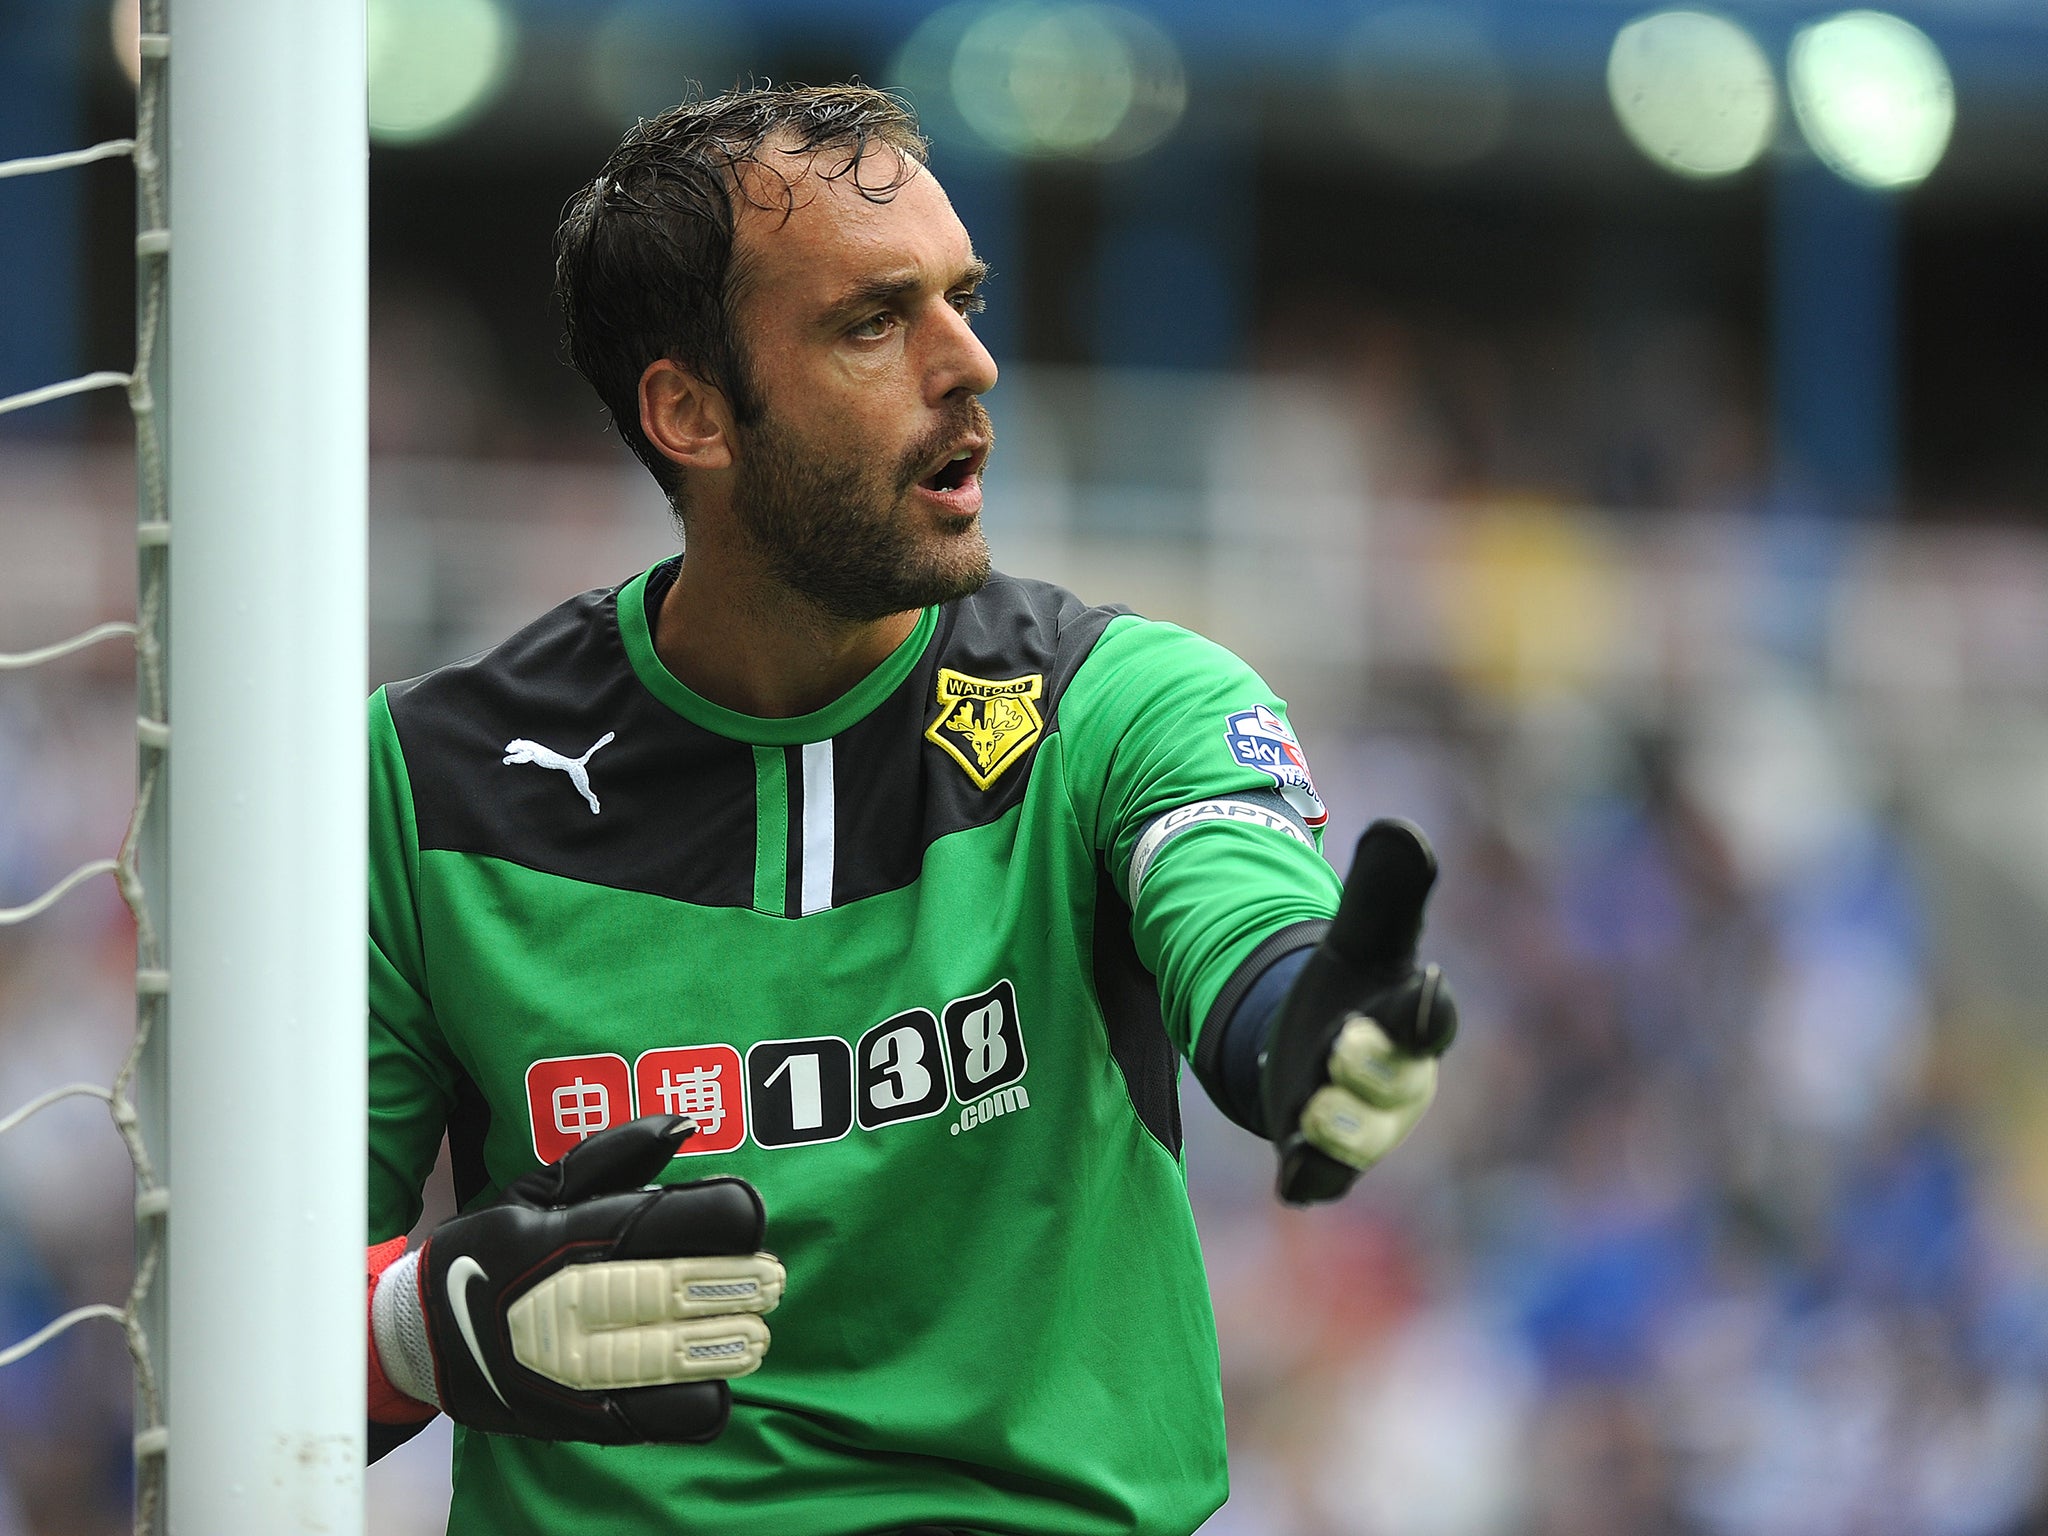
[(240, 1099)]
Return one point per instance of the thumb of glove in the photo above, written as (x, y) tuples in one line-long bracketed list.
[(613, 1162)]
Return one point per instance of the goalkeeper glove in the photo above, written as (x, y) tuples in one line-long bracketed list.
[(584, 1305), (1350, 1064)]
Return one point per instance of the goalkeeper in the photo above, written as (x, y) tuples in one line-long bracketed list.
[(823, 874)]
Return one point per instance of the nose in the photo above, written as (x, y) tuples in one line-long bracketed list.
[(960, 364)]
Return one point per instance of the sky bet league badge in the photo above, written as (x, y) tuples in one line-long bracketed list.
[(1260, 739)]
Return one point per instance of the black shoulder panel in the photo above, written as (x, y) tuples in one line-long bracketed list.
[(508, 750), (899, 790)]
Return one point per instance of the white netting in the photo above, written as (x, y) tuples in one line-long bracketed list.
[(152, 980)]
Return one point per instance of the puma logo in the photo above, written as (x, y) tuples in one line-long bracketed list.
[(578, 768)]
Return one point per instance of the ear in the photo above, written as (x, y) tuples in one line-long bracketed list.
[(687, 420)]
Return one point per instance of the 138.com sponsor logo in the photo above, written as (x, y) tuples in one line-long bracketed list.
[(794, 1092)]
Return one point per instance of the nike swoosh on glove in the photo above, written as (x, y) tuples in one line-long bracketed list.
[(1350, 1064), (585, 1305)]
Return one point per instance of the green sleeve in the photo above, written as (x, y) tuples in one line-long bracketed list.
[(1146, 729), (412, 1072)]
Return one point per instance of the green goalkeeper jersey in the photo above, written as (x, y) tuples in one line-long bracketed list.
[(922, 966)]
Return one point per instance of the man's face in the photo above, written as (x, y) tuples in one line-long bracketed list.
[(860, 480)]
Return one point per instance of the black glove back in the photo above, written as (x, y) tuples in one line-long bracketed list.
[(1365, 965), (591, 1205)]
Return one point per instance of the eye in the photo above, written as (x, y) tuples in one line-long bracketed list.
[(969, 302), (874, 328)]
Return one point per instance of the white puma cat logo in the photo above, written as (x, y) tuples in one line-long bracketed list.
[(524, 751)]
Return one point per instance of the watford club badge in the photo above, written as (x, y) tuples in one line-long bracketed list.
[(986, 726)]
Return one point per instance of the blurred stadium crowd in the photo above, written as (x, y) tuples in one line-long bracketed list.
[(1715, 1228), (1732, 1217)]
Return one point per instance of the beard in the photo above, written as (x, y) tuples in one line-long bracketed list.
[(840, 534)]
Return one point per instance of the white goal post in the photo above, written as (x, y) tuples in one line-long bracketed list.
[(268, 258)]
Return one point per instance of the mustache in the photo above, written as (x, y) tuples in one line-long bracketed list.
[(970, 418)]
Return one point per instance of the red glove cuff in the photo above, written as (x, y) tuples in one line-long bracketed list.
[(388, 1405)]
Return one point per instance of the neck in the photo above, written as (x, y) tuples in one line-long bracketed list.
[(735, 636)]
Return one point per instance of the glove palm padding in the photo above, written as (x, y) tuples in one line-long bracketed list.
[(1364, 968), (484, 1280)]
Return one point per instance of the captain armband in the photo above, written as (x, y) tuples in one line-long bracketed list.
[(1252, 808)]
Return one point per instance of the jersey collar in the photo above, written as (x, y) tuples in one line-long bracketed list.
[(637, 632)]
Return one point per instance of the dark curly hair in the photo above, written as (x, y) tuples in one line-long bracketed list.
[(644, 260)]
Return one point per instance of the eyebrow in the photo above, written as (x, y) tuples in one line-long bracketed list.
[(891, 285)]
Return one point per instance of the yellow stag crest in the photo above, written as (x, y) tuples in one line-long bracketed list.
[(986, 725)]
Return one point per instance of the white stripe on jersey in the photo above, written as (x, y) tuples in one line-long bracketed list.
[(817, 848)]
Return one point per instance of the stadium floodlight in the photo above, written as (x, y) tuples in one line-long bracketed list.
[(1873, 97), (435, 64), (1693, 91), (1094, 82), (922, 72), (1426, 85)]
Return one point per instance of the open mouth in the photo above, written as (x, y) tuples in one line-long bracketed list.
[(957, 471)]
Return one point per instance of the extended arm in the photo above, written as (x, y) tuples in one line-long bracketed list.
[(1299, 1002), (1350, 1058), (1325, 1039)]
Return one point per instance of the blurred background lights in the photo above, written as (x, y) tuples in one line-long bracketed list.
[(644, 55), (1424, 84), (1086, 81), (1873, 96), (434, 64), (922, 72), (124, 23), (1693, 91)]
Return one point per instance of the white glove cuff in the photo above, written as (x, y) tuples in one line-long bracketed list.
[(398, 1327)]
